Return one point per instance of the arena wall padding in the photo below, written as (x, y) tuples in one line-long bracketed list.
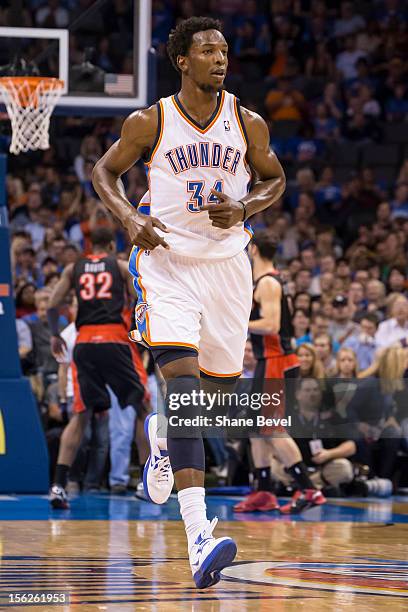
[(23, 451)]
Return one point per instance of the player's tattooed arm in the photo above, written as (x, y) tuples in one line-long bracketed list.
[(60, 291), (270, 178), (136, 140)]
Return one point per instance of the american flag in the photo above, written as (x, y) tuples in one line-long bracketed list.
[(119, 84), (4, 290)]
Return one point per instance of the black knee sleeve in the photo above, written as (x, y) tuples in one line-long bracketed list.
[(184, 442), (186, 453), (162, 356)]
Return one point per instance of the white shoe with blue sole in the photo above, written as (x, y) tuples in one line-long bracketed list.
[(209, 555), (158, 478)]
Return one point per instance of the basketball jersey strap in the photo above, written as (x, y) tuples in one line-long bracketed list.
[(272, 274)]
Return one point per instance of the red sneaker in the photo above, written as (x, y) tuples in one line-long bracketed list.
[(268, 502), (261, 501), (302, 500)]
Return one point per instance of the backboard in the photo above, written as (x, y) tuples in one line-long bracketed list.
[(101, 53)]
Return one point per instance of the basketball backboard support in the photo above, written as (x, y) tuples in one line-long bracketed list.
[(102, 54)]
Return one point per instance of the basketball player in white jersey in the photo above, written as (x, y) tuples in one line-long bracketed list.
[(210, 168)]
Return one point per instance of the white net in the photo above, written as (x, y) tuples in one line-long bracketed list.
[(30, 102)]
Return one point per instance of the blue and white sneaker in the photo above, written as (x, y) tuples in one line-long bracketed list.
[(158, 478), (209, 555)]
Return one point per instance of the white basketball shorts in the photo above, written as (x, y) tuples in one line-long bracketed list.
[(197, 303)]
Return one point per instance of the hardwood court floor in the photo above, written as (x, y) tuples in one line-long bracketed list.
[(282, 565)]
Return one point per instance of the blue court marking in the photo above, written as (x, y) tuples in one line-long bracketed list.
[(110, 507)]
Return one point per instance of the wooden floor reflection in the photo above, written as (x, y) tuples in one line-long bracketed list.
[(142, 565)]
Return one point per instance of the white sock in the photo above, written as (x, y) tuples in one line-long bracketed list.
[(193, 511)]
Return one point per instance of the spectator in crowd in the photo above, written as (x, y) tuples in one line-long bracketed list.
[(52, 15), (249, 361), (375, 295), (45, 367), (285, 103), (319, 325), (345, 384), (25, 346), (349, 22), (328, 198), (394, 329), (25, 299), (363, 341), (250, 46), (26, 265), (303, 280), (27, 212), (302, 300), (321, 441), (332, 98), (356, 296), (346, 363), (342, 326), (399, 205), (301, 323), (309, 363), (347, 59), (396, 106), (396, 280), (321, 64), (371, 410), (91, 151), (324, 350)]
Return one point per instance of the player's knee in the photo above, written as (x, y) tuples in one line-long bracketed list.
[(186, 453), (184, 408), (183, 397)]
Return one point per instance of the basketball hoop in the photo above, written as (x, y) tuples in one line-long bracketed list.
[(30, 101)]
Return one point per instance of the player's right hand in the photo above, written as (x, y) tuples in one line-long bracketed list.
[(58, 347), (141, 231)]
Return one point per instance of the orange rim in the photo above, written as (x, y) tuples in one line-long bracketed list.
[(24, 95)]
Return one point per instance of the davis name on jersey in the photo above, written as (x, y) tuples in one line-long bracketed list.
[(186, 162)]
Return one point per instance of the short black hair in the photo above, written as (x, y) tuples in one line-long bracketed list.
[(398, 268), (266, 242), (102, 237), (48, 260), (50, 276), (71, 247), (181, 36), (302, 270), (303, 311), (370, 316)]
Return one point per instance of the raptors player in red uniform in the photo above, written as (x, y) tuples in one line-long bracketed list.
[(271, 332), (103, 354)]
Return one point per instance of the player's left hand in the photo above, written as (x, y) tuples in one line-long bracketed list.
[(227, 213)]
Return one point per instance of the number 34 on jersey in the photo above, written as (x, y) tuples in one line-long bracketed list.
[(197, 199)]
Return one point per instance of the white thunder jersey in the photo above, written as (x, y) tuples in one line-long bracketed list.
[(188, 160)]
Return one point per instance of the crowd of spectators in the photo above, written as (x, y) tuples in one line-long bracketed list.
[(330, 79)]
